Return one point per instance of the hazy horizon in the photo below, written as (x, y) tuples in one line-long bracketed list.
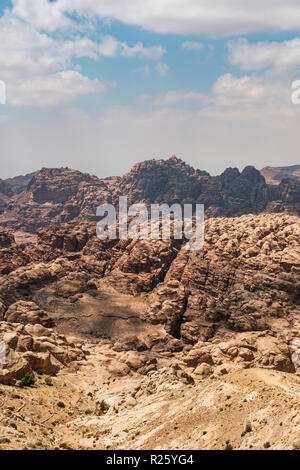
[(121, 174)]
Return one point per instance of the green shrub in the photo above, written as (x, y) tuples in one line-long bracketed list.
[(267, 445), (28, 380), (65, 446), (248, 428), (103, 408), (228, 446), (48, 381)]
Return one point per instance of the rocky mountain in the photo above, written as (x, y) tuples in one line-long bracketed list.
[(274, 175), (202, 337), (64, 195), (19, 183), (12, 186), (244, 279), (117, 335)]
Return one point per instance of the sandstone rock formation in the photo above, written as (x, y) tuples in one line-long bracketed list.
[(196, 346), (12, 186), (27, 313), (246, 278), (62, 195), (11, 256), (35, 348), (273, 175)]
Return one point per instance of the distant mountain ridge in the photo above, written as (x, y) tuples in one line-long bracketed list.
[(11, 186), (274, 175), (60, 195)]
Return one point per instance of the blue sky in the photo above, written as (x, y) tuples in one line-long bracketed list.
[(101, 84)]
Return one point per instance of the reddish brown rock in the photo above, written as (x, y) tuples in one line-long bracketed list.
[(243, 279), (62, 195), (11, 256)]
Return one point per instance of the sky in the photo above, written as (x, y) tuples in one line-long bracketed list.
[(99, 85)]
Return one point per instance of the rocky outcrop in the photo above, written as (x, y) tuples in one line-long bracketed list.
[(3, 202), (55, 196), (11, 256), (31, 348), (243, 283), (245, 278), (27, 313), (274, 175), (12, 186), (263, 349), (62, 195), (156, 181), (18, 184)]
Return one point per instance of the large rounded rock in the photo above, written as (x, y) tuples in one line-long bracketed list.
[(27, 312)]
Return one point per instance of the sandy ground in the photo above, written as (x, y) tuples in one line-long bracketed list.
[(246, 409)]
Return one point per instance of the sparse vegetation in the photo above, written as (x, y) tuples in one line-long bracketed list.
[(228, 446), (103, 408), (28, 380), (65, 446), (248, 428), (48, 381)]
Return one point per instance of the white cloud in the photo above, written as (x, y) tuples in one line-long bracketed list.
[(111, 47), (162, 69), (25, 52), (230, 95), (173, 97), (154, 52), (231, 90), (37, 67), (145, 69), (42, 14), (192, 45), (262, 55), (28, 55), (51, 90), (214, 18)]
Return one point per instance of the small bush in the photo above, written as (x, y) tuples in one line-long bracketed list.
[(4, 440), (103, 407), (61, 404), (267, 445), (228, 446), (65, 446), (28, 380), (248, 428), (48, 381)]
